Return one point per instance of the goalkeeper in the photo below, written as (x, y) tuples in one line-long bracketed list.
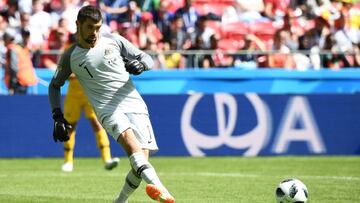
[(97, 60), (76, 102)]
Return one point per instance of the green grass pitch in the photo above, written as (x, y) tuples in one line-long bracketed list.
[(201, 180)]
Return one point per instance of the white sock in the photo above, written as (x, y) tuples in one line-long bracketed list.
[(132, 182), (144, 169)]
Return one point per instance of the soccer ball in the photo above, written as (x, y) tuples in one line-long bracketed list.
[(291, 191)]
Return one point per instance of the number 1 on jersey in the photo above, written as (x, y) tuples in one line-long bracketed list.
[(86, 68), (88, 71)]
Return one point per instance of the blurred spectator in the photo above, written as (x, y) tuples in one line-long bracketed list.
[(175, 5), (158, 56), (112, 9), (327, 10), (173, 60), (246, 59), (250, 6), (3, 26), (67, 11), (203, 30), (230, 15), (217, 58), (54, 6), (19, 71), (356, 56), (293, 29), (308, 42), (25, 6), (302, 60), (25, 20), (275, 9), (296, 18), (292, 26), (195, 60), (53, 39), (334, 59), (148, 33), (320, 30), (39, 25), (282, 57), (132, 14), (352, 14), (162, 17), (24, 25), (244, 11), (190, 16), (177, 38), (59, 41), (343, 35), (125, 30), (147, 5), (25, 39), (63, 23), (12, 14), (304, 8)]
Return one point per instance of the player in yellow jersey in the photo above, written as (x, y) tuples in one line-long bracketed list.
[(76, 102)]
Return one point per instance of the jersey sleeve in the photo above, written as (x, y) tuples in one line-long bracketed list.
[(130, 52), (62, 73)]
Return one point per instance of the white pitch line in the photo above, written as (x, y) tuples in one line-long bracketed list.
[(333, 177), (247, 175), (190, 174), (54, 195)]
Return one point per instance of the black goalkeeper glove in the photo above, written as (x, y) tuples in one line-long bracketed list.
[(61, 126), (134, 67)]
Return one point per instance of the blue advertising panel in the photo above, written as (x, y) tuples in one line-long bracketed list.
[(203, 125), (251, 124), (232, 80)]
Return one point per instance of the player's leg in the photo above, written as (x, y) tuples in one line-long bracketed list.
[(102, 139), (72, 113), (132, 182), (143, 168), (137, 141), (69, 145)]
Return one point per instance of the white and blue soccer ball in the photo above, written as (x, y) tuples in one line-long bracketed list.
[(291, 190)]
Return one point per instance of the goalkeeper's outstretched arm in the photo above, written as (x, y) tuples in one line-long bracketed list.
[(62, 73), (130, 52)]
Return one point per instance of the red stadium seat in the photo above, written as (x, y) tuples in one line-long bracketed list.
[(230, 44), (175, 4), (215, 25), (205, 8), (237, 29), (228, 2), (263, 30), (203, 1), (309, 24)]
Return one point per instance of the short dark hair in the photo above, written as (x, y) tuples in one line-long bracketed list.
[(25, 32), (89, 12)]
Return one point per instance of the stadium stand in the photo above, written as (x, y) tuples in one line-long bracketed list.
[(305, 24)]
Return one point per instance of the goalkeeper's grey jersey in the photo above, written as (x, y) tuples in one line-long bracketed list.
[(102, 75)]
